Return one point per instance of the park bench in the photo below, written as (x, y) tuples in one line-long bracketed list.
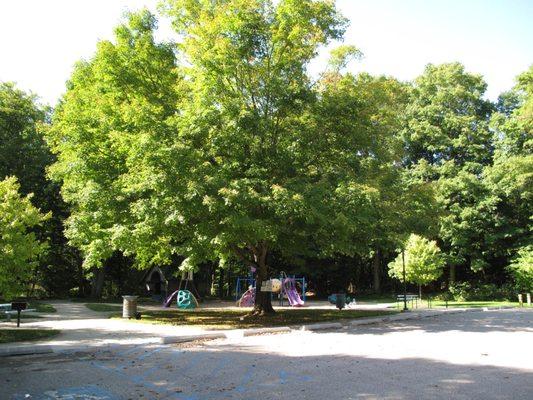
[(8, 312), (413, 298)]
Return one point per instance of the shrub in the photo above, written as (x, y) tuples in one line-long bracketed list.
[(466, 291)]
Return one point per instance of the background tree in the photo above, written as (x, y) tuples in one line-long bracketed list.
[(111, 119), (509, 180), (24, 154), (521, 269), (19, 247), (448, 142), (424, 262)]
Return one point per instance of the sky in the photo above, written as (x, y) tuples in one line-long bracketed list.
[(40, 40)]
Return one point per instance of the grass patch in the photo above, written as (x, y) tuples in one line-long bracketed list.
[(463, 304), (236, 319), (38, 306), (22, 335), (375, 298), (86, 299), (103, 307), (42, 307)]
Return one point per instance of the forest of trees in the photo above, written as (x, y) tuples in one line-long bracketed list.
[(222, 152)]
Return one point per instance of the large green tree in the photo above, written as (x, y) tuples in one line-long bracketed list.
[(225, 148), (19, 246), (509, 180), (108, 129), (448, 143)]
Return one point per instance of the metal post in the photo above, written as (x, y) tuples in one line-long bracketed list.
[(404, 282), (18, 318)]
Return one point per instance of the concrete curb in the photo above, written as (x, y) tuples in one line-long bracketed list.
[(190, 338), (25, 350), (261, 331), (318, 327)]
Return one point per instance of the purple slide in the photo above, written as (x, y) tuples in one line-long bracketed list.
[(292, 293), (170, 298), (294, 298)]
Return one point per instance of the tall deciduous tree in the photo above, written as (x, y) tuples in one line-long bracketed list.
[(230, 150), (270, 173), (19, 247), (509, 180), (449, 143), (107, 129)]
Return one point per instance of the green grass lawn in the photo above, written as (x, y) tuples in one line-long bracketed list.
[(375, 298), (22, 335), (462, 304), (42, 307), (103, 307), (37, 305), (233, 319)]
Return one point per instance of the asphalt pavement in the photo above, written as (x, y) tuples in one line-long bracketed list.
[(476, 355)]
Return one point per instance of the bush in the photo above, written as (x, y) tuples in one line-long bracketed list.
[(466, 291)]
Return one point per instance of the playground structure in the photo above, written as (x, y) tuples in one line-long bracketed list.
[(185, 299), (350, 300), (283, 287)]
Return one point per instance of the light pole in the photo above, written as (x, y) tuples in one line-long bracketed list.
[(404, 282)]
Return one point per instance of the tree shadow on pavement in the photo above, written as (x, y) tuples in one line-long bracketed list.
[(216, 372)]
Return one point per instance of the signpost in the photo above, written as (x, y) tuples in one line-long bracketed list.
[(18, 306)]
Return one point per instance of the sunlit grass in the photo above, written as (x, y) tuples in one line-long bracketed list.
[(466, 304), (237, 319), (103, 307)]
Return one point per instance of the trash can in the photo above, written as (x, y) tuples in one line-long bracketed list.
[(340, 301), (129, 306)]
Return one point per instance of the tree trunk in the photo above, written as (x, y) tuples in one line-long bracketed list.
[(220, 283), (420, 292), (97, 283), (452, 273), (228, 281), (376, 272), (263, 300)]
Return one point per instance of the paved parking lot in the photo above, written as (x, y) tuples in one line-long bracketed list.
[(478, 355)]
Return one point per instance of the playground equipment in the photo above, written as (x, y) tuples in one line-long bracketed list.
[(288, 289), (276, 285), (243, 285), (248, 298), (332, 298), (185, 299), (282, 287)]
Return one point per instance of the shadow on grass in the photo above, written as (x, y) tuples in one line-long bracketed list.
[(236, 319), (23, 335)]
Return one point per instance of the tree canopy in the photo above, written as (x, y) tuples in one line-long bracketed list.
[(19, 247), (223, 147), (424, 261)]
